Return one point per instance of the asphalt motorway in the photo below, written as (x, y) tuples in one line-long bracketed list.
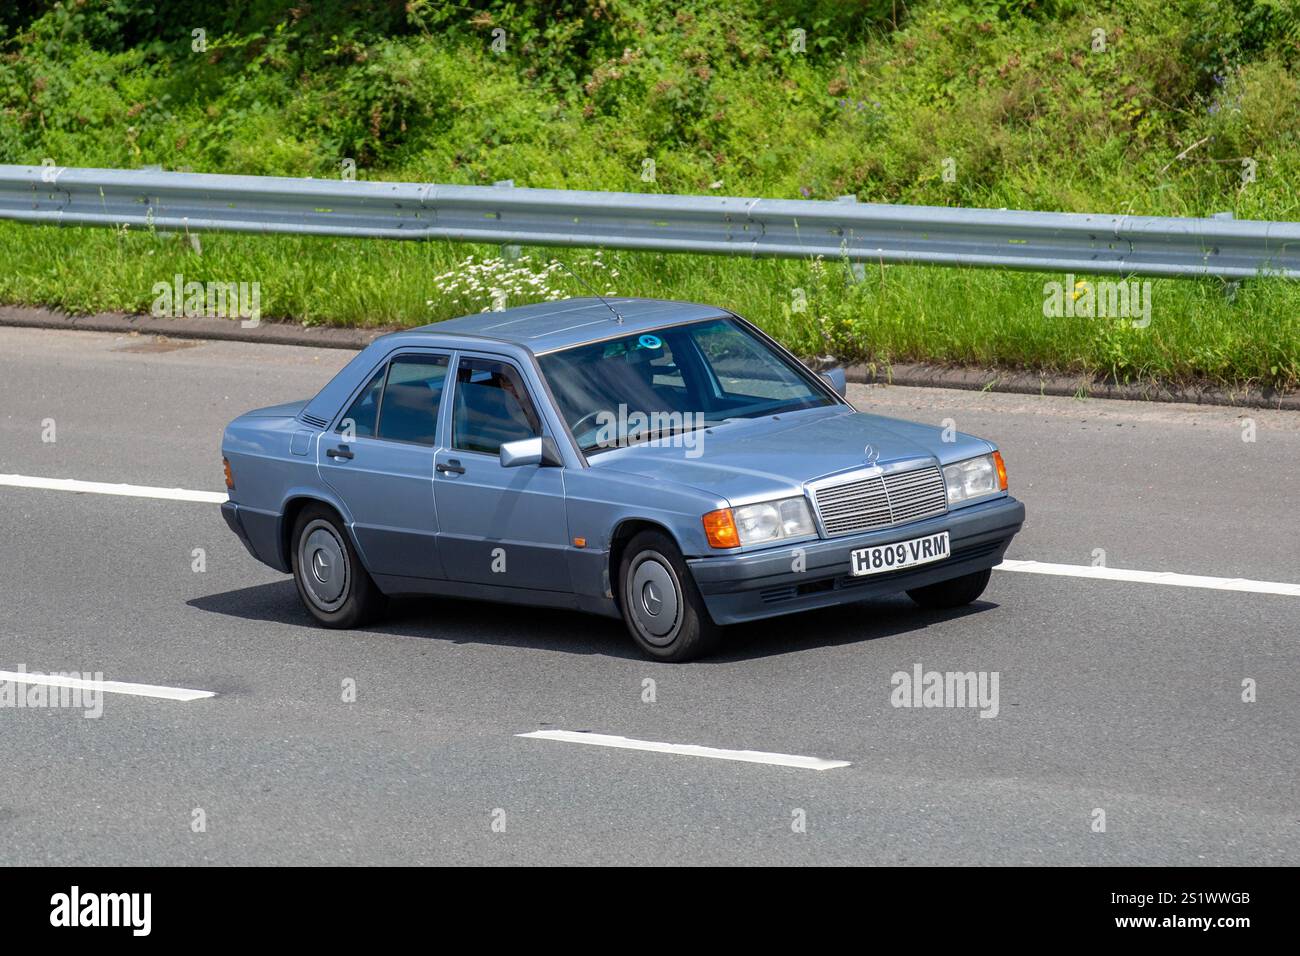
[(1115, 698)]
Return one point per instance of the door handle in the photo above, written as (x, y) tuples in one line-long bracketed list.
[(341, 452), (451, 467)]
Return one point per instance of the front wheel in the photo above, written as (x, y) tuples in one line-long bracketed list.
[(661, 605), (952, 593), (332, 584)]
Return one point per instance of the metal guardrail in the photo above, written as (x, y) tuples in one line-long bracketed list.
[(859, 232)]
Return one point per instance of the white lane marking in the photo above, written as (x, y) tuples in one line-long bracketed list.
[(106, 686), (103, 488), (1153, 577), (688, 750)]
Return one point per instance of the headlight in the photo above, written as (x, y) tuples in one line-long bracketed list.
[(975, 478), (759, 523)]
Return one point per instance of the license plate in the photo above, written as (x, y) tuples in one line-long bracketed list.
[(901, 554)]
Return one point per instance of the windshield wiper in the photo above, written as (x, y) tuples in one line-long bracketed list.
[(627, 441)]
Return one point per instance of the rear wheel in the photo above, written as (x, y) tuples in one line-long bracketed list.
[(334, 587), (954, 592), (661, 605)]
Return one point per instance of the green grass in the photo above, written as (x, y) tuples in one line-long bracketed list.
[(1011, 91), (1197, 334)]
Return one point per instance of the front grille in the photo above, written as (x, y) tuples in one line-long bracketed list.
[(868, 503)]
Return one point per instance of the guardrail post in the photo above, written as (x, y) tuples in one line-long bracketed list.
[(1232, 286), (193, 237), (857, 271), (508, 252)]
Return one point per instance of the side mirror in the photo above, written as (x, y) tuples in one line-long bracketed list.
[(530, 451), (834, 377)]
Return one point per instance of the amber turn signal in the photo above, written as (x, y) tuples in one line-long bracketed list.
[(230, 479), (720, 529), (1002, 470)]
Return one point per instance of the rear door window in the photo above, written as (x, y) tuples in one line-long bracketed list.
[(412, 392)]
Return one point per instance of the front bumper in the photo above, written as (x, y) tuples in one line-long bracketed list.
[(746, 587)]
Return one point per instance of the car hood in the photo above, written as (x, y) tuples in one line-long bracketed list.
[(754, 459)]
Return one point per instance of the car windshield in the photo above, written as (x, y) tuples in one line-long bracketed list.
[(650, 385)]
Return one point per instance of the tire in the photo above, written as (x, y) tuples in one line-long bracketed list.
[(954, 592), (332, 584), (661, 605)]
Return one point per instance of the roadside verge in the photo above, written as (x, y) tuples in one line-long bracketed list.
[(926, 376)]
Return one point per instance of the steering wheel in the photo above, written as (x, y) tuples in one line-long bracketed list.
[(577, 428)]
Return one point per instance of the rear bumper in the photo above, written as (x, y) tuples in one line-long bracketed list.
[(746, 587), (259, 531)]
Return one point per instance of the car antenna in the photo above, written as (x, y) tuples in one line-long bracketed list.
[(617, 315)]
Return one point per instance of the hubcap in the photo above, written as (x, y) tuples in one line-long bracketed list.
[(650, 599), (654, 600), (320, 566), (323, 566)]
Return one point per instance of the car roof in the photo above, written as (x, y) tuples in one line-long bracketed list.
[(545, 326), (542, 327)]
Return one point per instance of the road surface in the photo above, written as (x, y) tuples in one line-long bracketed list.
[(1122, 697)]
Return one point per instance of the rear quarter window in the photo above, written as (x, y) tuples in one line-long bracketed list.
[(363, 414)]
